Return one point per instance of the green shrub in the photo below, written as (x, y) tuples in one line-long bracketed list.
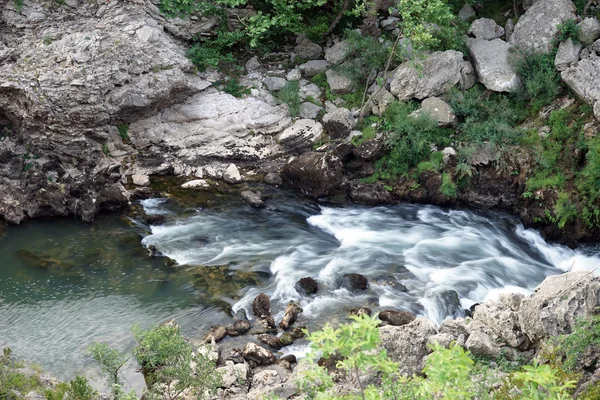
[(565, 210), (320, 80), (123, 131), (448, 187), (290, 95), (541, 82), (233, 87), (18, 5), (111, 361), (568, 30), (170, 364), (545, 180)]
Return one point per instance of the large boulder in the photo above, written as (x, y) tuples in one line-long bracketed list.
[(481, 344), (438, 110), (557, 303), (338, 52), (314, 174), (431, 77), (307, 49), (261, 306), (491, 61), (567, 54), (583, 79), (502, 317), (301, 135), (589, 31), (486, 28), (257, 355), (537, 29), (339, 123), (339, 83), (407, 344)]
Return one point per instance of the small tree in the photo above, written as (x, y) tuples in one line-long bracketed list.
[(171, 366), (111, 361)]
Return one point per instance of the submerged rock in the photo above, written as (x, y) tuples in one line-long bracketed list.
[(307, 286), (216, 334), (290, 316), (261, 306), (239, 328), (354, 282), (253, 198)]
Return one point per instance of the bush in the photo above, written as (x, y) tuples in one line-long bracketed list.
[(448, 187), (111, 361), (541, 82), (170, 364), (80, 389), (233, 87), (290, 95), (568, 30)]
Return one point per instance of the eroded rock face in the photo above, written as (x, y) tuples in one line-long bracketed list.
[(537, 29), (437, 74)]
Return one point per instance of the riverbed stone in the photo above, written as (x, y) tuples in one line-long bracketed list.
[(270, 340), (196, 183), (233, 374), (290, 315), (491, 60), (239, 328), (537, 29), (314, 174), (307, 286), (273, 178), (254, 199), (261, 306), (140, 180), (257, 355), (433, 76), (486, 28), (354, 282), (567, 54), (216, 334), (301, 135), (232, 174), (589, 30), (396, 318)]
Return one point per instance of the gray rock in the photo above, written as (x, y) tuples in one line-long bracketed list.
[(233, 375), (589, 30), (567, 54), (313, 67), (396, 318), (140, 180), (557, 303), (338, 83), (308, 50), (232, 174), (443, 339), (309, 110), (380, 101), (371, 150), (583, 79), (455, 327), (253, 198), (431, 77), (252, 64), (273, 178), (337, 53), (294, 75), (481, 344), (261, 306), (390, 23), (448, 153), (314, 174), (468, 76), (501, 316), (486, 28), (196, 183), (509, 28), (438, 110), (491, 60), (339, 123), (466, 12), (274, 83), (407, 344), (302, 134), (311, 90), (290, 315), (448, 303), (537, 29)]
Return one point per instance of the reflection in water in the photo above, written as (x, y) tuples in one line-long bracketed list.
[(65, 284)]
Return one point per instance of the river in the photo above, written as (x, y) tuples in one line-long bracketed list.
[(65, 284)]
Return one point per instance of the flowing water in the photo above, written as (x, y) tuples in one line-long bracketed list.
[(65, 284)]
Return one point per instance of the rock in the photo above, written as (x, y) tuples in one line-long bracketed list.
[(371, 150), (448, 153), (438, 110), (233, 374), (443, 339), (567, 54), (257, 355), (339, 123), (490, 59), (252, 64), (589, 31), (432, 77), (448, 303), (270, 340), (337, 53), (290, 316), (273, 178), (537, 29), (261, 306), (407, 344), (509, 28), (239, 328), (264, 382), (381, 101), (338, 83), (314, 67), (294, 75), (232, 174), (501, 316), (216, 334), (582, 79), (287, 361), (354, 282), (466, 12), (196, 183), (297, 332), (301, 135), (308, 50), (485, 28), (314, 174), (371, 194), (468, 76), (557, 303), (253, 198), (309, 89), (307, 286), (480, 344), (360, 311), (274, 83), (309, 110), (396, 318), (455, 327), (140, 180)]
